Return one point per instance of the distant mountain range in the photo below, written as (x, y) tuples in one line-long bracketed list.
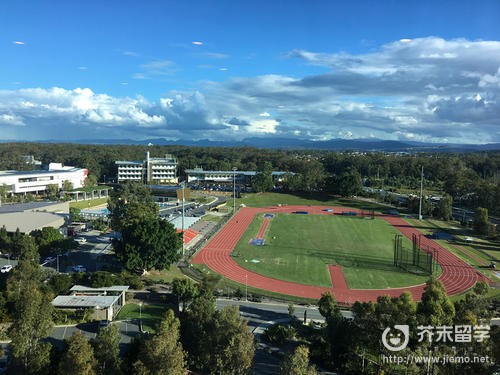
[(299, 144)]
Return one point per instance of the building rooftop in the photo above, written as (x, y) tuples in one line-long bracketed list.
[(38, 172), (29, 206), (114, 288), (30, 221), (245, 173), (85, 301), (128, 162)]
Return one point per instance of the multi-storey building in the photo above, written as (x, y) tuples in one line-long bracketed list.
[(18, 182), (199, 175), (150, 170)]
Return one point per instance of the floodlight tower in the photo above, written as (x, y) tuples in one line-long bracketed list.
[(183, 185), (421, 193), (234, 189)]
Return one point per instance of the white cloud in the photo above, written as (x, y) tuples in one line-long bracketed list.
[(267, 126), (197, 43), (8, 119), (215, 55), (426, 89), (155, 68), (18, 42)]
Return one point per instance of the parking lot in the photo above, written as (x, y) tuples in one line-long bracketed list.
[(128, 330), (92, 254)]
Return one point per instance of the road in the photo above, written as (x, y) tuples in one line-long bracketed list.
[(259, 316)]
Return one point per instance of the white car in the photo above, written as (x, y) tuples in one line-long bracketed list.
[(79, 268), (81, 240), (49, 259), (6, 268)]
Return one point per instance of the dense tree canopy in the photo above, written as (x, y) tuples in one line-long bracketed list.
[(130, 202), (471, 179), (78, 357), (163, 354), (32, 312), (149, 243)]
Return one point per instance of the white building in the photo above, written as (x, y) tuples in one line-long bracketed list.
[(151, 170), (21, 182), (241, 177)]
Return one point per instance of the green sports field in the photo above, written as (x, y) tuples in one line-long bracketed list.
[(298, 248)]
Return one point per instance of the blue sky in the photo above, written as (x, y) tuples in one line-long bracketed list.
[(403, 70)]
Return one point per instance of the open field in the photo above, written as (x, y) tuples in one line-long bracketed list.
[(151, 314), (89, 203), (478, 253), (271, 199), (299, 248)]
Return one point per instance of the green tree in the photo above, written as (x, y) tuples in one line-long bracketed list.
[(233, 347), (147, 244), (24, 247), (4, 188), (52, 190), (396, 310), (107, 350), (480, 224), (131, 202), (263, 180), (32, 312), (435, 308), (185, 289), (74, 214), (67, 185), (163, 354), (5, 241), (60, 283), (349, 183), (49, 240), (443, 208), (197, 327), (414, 205), (78, 359), (298, 363), (328, 307), (91, 180)]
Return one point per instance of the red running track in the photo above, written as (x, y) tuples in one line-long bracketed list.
[(263, 228), (457, 276)]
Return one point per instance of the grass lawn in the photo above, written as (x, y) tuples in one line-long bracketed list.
[(299, 247), (88, 203), (271, 199), (151, 314), (164, 276), (479, 249)]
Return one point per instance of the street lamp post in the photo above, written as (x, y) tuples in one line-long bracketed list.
[(57, 262), (183, 185), (140, 316), (246, 287), (234, 189)]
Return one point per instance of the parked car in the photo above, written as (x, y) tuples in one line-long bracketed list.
[(49, 259), (6, 268), (103, 323), (79, 268), (81, 240)]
